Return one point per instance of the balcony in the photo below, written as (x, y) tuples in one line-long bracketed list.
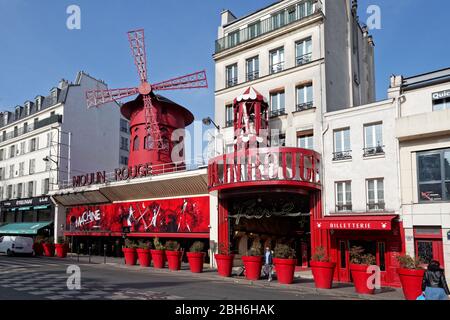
[(306, 58), (232, 82), (373, 151), (298, 12), (277, 112), (252, 76), (344, 207), (342, 155), (229, 123), (37, 125), (275, 68), (304, 106), (265, 166), (378, 206)]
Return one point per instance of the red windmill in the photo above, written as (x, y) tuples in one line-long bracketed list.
[(152, 117)]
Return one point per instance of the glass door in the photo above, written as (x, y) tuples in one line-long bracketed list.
[(428, 250), (343, 261)]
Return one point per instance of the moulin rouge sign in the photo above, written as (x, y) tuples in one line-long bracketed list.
[(120, 174)]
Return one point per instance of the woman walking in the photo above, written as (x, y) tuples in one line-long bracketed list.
[(434, 283)]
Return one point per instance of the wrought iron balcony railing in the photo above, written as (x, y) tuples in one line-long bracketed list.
[(275, 68), (376, 206), (305, 106), (232, 82), (342, 155), (288, 16), (344, 207), (304, 59), (229, 123), (25, 129), (252, 75), (373, 151), (277, 112)]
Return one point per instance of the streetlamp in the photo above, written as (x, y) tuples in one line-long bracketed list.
[(207, 122)]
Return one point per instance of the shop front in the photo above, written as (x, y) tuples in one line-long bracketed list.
[(379, 235), (37, 209)]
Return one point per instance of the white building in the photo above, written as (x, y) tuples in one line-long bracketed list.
[(50, 139), (306, 56)]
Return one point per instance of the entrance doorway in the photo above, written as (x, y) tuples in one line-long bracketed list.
[(428, 244)]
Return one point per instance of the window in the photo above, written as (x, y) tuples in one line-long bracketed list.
[(16, 131), (136, 143), (278, 140), (34, 144), (305, 140), (229, 116), (343, 196), (12, 151), (45, 186), (252, 65), (123, 160), (32, 166), (441, 104), (22, 147), (11, 171), (1, 194), (30, 193), (233, 38), (21, 169), (231, 75), (49, 139), (229, 148), (277, 104), (373, 139), (148, 143), (124, 143), (276, 58), (9, 192), (19, 190), (305, 97), (254, 30), (25, 127), (342, 144), (278, 20), (375, 194), (2, 174), (434, 175), (303, 52), (2, 154), (124, 125)]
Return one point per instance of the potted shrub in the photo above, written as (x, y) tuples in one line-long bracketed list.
[(49, 247), (322, 269), (158, 254), (173, 255), (253, 261), (196, 256), (285, 262), (38, 246), (411, 276), (129, 252), (62, 247), (359, 263), (224, 260), (143, 253)]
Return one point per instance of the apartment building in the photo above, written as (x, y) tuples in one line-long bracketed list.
[(46, 141), (423, 134), (307, 57)]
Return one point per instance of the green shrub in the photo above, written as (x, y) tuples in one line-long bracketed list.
[(320, 255), (197, 246), (172, 245), (283, 251)]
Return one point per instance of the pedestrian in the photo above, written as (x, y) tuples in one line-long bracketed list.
[(434, 284), (268, 263)]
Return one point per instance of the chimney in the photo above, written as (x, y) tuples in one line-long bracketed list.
[(354, 7), (63, 83), (226, 17)]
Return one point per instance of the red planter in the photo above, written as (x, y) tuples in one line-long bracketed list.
[(159, 259), (224, 264), (61, 250), (49, 249), (253, 267), (196, 261), (323, 273), (38, 249), (174, 260), (130, 256), (144, 257), (360, 277), (285, 269), (411, 282)]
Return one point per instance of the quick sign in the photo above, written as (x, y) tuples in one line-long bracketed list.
[(38, 201), (441, 95)]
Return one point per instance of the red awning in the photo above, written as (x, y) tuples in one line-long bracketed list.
[(357, 222)]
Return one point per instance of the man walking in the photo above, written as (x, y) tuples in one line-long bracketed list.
[(268, 263)]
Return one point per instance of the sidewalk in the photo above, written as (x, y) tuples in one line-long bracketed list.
[(303, 282)]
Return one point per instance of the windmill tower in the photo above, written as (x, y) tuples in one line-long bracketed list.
[(153, 118)]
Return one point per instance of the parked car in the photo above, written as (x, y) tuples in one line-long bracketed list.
[(16, 245)]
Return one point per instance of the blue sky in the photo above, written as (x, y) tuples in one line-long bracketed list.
[(37, 50)]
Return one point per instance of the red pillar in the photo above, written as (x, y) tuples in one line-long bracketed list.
[(319, 237), (224, 240)]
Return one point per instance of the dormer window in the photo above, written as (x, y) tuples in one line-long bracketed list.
[(38, 102), (54, 94)]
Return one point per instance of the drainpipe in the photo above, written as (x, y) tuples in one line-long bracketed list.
[(398, 115)]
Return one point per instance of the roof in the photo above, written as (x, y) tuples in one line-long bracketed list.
[(252, 13), (23, 228), (251, 95), (426, 79)]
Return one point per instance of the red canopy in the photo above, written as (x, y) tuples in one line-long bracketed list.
[(250, 95)]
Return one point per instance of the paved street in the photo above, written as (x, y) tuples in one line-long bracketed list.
[(46, 278)]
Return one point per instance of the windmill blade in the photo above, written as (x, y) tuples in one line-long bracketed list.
[(190, 81), (137, 45), (97, 97), (151, 122)]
